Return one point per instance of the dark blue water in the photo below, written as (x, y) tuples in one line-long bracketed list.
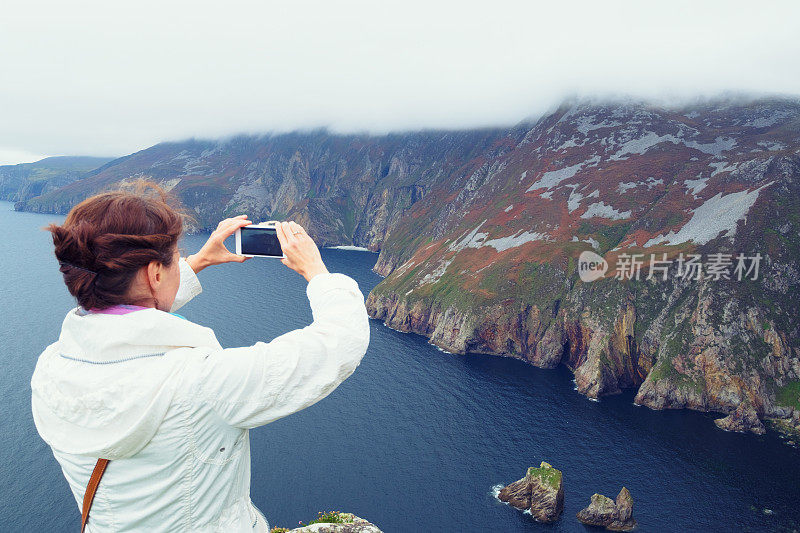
[(416, 438)]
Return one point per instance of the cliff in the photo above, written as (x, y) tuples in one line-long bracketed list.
[(481, 232), (489, 262), (29, 180), (344, 189)]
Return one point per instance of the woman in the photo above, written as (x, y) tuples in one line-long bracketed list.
[(130, 381)]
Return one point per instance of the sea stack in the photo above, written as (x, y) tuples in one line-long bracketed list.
[(539, 492), (613, 515)]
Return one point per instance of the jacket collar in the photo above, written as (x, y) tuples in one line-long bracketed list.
[(103, 337)]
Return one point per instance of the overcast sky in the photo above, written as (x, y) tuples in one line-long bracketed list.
[(98, 78)]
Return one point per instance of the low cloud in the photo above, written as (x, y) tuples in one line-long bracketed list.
[(96, 78)]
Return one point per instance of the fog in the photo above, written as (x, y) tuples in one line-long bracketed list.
[(97, 78)]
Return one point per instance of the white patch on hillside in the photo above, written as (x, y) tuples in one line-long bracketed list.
[(768, 119), (437, 273), (651, 182), (405, 266), (509, 208), (722, 166), (547, 195), (574, 200), (594, 243), (550, 179), (717, 215), (594, 194), (569, 143), (695, 186), (472, 239), (476, 239), (584, 124), (518, 239), (772, 146), (719, 145), (642, 144), (554, 177), (602, 210)]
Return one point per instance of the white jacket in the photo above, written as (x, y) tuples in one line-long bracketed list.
[(171, 408)]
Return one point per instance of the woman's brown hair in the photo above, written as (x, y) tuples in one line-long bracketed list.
[(108, 237)]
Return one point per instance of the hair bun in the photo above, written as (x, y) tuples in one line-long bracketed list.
[(108, 237)]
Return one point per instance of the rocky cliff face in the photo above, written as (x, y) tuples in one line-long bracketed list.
[(345, 189), (490, 262), (28, 180), (480, 234)]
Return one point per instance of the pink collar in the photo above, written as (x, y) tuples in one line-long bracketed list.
[(121, 309)]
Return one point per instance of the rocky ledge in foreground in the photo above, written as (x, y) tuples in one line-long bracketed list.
[(742, 420), (539, 492), (605, 512), (349, 523)]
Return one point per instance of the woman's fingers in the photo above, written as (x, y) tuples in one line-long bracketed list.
[(282, 238), (228, 226), (297, 229), (291, 238), (214, 251), (302, 254), (236, 224), (224, 222)]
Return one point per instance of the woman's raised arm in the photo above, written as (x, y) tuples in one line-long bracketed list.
[(213, 252), (255, 385)]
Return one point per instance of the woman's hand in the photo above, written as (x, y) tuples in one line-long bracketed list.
[(302, 254), (214, 251)]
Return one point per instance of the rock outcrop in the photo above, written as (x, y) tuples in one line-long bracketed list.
[(358, 525), (742, 420), (540, 492), (612, 515)]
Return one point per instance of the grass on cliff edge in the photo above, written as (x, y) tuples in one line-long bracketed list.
[(548, 475), (328, 517), (789, 395)]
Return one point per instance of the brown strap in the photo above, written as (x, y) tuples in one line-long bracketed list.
[(88, 496)]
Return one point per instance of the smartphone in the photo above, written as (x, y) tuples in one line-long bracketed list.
[(259, 240)]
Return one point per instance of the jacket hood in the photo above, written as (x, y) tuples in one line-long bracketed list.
[(103, 388)]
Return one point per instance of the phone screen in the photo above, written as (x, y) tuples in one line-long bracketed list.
[(260, 241)]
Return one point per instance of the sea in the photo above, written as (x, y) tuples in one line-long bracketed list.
[(417, 439)]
